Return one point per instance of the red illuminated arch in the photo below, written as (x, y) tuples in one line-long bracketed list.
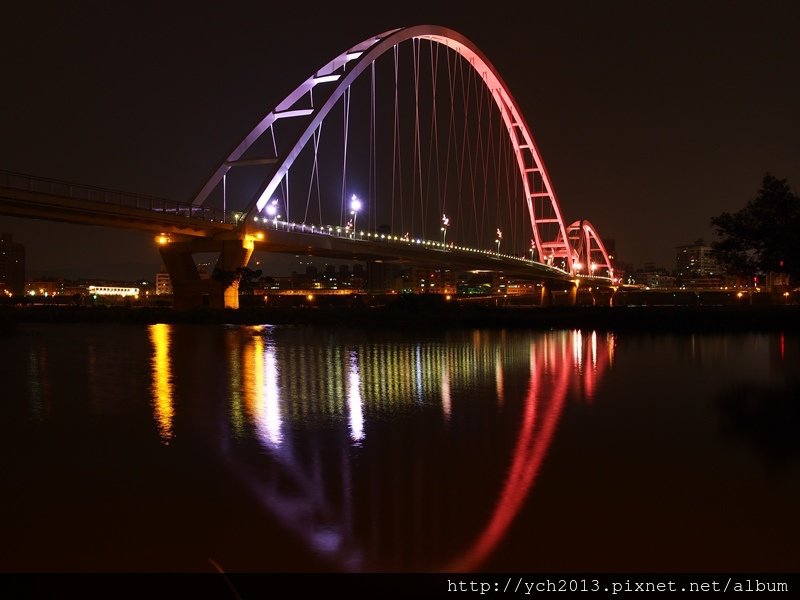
[(590, 257)]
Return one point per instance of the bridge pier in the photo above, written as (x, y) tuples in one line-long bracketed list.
[(560, 294), (545, 298), (192, 291), (605, 296), (572, 295)]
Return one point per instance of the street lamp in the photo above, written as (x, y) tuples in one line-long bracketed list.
[(272, 211), (355, 206), (445, 223), (533, 248)]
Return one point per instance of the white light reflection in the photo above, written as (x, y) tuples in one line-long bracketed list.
[(355, 403), (447, 406), (418, 372), (577, 348), (262, 391), (270, 421), (594, 350)]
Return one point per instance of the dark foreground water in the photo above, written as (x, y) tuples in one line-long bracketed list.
[(207, 448)]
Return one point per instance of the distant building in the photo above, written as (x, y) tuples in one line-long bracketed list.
[(777, 282), (654, 278), (112, 290), (696, 261), (53, 290), (163, 283), (427, 280), (381, 277), (47, 287), (12, 266)]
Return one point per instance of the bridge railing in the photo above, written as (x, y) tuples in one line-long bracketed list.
[(376, 237), (56, 187)]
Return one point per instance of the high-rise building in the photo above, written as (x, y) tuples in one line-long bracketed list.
[(12, 266), (163, 283), (696, 260)]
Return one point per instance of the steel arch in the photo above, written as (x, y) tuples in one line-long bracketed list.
[(588, 251), (535, 180)]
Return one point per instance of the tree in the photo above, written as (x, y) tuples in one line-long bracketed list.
[(247, 279), (244, 276), (763, 236)]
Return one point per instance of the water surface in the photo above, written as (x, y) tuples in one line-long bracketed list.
[(195, 448)]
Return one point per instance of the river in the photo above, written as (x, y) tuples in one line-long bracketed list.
[(289, 448)]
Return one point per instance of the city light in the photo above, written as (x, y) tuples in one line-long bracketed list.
[(355, 206)]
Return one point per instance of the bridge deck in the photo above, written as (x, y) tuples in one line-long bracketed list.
[(54, 200)]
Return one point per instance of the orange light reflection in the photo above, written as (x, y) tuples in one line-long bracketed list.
[(262, 391), (161, 387)]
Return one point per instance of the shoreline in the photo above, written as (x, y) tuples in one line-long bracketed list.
[(420, 315)]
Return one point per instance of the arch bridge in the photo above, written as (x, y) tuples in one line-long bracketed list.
[(407, 148)]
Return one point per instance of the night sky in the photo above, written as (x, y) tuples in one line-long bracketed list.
[(651, 116)]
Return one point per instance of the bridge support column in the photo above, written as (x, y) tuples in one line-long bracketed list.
[(605, 296), (559, 293), (572, 296), (189, 289), (545, 299)]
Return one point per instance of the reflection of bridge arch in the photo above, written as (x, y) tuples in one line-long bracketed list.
[(314, 99), (326, 509), (543, 407), (536, 432)]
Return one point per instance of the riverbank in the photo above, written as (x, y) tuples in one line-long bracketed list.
[(426, 315)]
